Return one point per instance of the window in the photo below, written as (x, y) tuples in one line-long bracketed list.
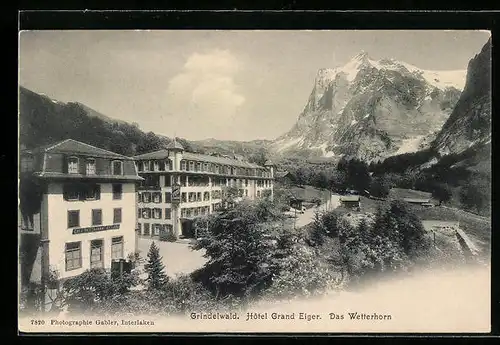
[(157, 198), (157, 213), (168, 213), (168, 181), (168, 197), (146, 213), (117, 191), (156, 166), (139, 213), (183, 197), (156, 229), (73, 254), (206, 196), (72, 165), (27, 164), (96, 253), (198, 166), (146, 229), (246, 192), (183, 165), (90, 166), (205, 167), (146, 197), (198, 196), (97, 217), (117, 168), (183, 181), (191, 166), (92, 192), (145, 165), (71, 192), (117, 247), (117, 215), (246, 183), (73, 219)]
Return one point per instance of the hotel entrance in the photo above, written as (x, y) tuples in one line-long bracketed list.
[(187, 228)]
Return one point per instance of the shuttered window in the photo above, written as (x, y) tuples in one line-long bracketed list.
[(73, 219), (96, 254), (117, 215), (117, 247), (97, 217), (73, 254)]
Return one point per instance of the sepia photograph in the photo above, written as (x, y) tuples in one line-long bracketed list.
[(254, 181)]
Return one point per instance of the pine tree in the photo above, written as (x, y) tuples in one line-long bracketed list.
[(155, 268)]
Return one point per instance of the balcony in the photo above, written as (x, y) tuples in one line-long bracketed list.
[(149, 187)]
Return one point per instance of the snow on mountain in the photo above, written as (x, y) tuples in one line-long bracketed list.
[(367, 108), (439, 79)]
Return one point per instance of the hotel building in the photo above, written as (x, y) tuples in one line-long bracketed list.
[(77, 209), (179, 186)]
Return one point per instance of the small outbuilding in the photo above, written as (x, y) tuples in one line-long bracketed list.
[(352, 202)]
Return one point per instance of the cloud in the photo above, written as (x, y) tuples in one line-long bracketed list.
[(205, 90)]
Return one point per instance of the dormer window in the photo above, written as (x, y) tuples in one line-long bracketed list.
[(72, 165), (117, 168), (90, 166)]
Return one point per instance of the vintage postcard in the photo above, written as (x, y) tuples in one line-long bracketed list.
[(254, 181)]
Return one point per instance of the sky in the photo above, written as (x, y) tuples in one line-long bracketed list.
[(229, 85)]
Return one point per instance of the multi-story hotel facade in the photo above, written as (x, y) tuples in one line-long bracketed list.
[(179, 186), (77, 209)]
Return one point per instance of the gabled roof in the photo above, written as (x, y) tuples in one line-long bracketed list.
[(417, 200), (280, 174), (76, 147), (350, 198), (161, 154)]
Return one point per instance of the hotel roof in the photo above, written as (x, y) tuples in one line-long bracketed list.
[(76, 147), (163, 154)]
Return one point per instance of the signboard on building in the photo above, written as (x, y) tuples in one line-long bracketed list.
[(95, 229), (176, 193)]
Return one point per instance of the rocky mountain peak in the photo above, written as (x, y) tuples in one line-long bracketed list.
[(371, 109)]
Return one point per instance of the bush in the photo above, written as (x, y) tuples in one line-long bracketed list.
[(380, 187), (85, 293), (442, 192), (301, 273)]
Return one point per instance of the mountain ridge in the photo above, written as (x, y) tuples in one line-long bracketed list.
[(380, 102)]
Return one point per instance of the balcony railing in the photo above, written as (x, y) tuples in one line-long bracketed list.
[(150, 187)]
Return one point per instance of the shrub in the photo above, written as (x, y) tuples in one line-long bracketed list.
[(301, 273)]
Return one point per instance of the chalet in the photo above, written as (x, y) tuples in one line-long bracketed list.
[(352, 202), (284, 177)]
